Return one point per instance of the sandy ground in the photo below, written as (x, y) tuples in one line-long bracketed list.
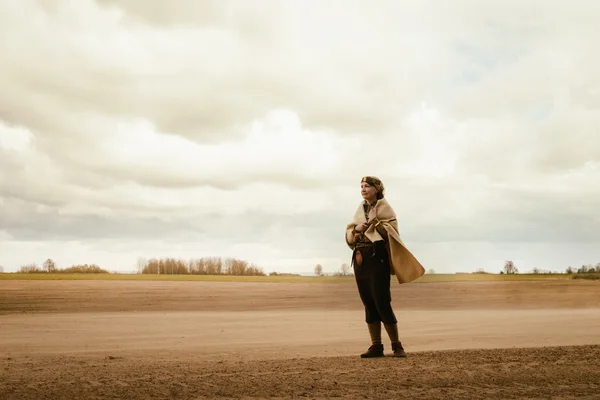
[(201, 340)]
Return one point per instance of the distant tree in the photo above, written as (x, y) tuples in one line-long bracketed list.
[(431, 271), (344, 270), (1, 269), (583, 270), (319, 270), (510, 268), (201, 266), (49, 266), (141, 264), (536, 270), (480, 271), (29, 268), (569, 270)]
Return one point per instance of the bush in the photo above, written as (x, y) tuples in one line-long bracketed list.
[(83, 269), (591, 277)]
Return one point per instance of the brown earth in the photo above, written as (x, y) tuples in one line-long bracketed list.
[(201, 340)]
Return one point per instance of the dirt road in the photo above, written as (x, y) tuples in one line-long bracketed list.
[(196, 340)]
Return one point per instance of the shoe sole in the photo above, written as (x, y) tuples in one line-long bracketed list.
[(374, 356)]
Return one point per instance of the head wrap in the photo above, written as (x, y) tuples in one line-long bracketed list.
[(376, 183)]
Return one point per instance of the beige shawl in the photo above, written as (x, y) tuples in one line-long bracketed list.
[(403, 264)]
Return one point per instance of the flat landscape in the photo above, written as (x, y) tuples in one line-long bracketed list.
[(534, 338)]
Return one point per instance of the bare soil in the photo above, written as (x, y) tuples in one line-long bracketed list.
[(207, 340)]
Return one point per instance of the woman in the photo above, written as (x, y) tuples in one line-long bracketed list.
[(378, 253)]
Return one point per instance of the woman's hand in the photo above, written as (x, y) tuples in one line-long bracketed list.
[(361, 227)]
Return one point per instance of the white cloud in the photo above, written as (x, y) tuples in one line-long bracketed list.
[(223, 128), (16, 140), (274, 148)]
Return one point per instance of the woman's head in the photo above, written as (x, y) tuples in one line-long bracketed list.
[(371, 188)]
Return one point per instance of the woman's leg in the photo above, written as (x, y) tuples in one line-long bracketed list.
[(363, 274), (383, 299), (380, 286)]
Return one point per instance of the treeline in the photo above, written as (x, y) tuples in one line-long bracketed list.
[(510, 268), (50, 267), (200, 266), (584, 269)]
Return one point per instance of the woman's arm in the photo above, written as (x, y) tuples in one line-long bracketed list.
[(350, 236), (380, 229)]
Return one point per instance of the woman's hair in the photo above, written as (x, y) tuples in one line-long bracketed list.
[(377, 184)]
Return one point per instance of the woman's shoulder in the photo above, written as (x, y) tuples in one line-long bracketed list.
[(382, 202), (385, 209)]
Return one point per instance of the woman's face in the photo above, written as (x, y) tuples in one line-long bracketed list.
[(368, 192)]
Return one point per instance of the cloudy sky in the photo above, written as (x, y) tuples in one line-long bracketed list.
[(155, 128)]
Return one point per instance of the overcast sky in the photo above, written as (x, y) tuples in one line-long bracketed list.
[(155, 128)]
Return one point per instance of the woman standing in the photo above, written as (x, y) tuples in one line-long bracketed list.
[(378, 253)]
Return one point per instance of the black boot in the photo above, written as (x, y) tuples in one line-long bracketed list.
[(392, 330), (376, 349), (398, 350)]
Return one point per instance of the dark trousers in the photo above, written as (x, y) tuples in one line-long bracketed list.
[(373, 280)]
